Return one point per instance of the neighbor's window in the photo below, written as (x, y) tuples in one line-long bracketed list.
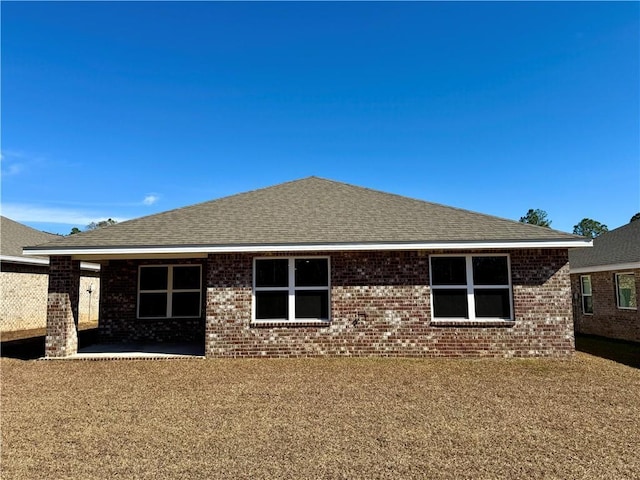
[(287, 289), (587, 295), (471, 287), (169, 291), (626, 291)]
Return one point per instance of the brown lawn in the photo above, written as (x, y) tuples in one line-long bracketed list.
[(325, 418)]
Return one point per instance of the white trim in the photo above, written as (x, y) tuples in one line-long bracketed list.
[(583, 295), (169, 291), (95, 267), (291, 290), (618, 275), (469, 287), (606, 268), (30, 261), (316, 247)]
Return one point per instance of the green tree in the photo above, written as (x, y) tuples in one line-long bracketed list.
[(536, 217), (94, 225), (589, 228), (101, 224), (635, 217)]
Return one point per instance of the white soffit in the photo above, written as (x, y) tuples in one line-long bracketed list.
[(136, 252)]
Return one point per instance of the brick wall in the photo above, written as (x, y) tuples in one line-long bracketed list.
[(607, 319), (118, 310), (62, 307), (380, 306), (23, 297)]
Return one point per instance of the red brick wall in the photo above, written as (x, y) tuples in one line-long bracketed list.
[(607, 319), (118, 308), (380, 306), (62, 307)]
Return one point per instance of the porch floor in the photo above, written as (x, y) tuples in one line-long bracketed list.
[(104, 351)]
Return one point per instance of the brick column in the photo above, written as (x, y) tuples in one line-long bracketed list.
[(62, 307)]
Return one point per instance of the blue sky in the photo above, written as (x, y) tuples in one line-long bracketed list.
[(123, 109)]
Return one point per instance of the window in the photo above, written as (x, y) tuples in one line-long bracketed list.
[(169, 291), (471, 287), (290, 289), (626, 291), (587, 296)]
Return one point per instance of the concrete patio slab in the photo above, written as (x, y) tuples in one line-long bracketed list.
[(109, 351)]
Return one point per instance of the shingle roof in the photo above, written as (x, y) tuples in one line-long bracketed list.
[(619, 246), (14, 236), (309, 211)]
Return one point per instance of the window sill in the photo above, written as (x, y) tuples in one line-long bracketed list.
[(473, 323), (289, 323)]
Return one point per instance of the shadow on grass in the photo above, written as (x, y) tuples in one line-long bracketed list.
[(32, 348), (620, 351)]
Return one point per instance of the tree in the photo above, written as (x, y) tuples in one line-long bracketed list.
[(635, 217), (101, 224), (536, 217), (94, 225), (589, 228)]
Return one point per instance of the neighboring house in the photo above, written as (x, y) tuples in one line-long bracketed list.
[(24, 280), (315, 267), (605, 281)]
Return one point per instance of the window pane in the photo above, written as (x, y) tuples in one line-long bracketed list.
[(312, 304), (490, 271), (448, 271), (153, 305), (587, 304), (627, 291), (586, 285), (272, 305), (153, 278), (185, 304), (272, 273), (186, 278), (450, 303), (312, 272), (492, 303)]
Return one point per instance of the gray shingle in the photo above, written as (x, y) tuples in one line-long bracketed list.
[(309, 211), (14, 236), (618, 246)]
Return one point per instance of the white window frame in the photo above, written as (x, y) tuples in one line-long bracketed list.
[(618, 275), (469, 287), (583, 294), (291, 289), (169, 291)]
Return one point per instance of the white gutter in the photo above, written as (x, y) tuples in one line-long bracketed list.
[(606, 268), (45, 261), (169, 250), (28, 261)]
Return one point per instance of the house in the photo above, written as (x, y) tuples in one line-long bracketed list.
[(24, 281), (605, 281), (315, 267)]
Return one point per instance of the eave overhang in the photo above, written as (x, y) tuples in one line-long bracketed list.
[(191, 251), (44, 262), (612, 267)]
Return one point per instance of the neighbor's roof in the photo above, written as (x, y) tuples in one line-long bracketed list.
[(14, 236), (307, 214), (614, 250)]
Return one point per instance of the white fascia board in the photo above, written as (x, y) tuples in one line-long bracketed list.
[(334, 247), (45, 261), (27, 261), (606, 268)]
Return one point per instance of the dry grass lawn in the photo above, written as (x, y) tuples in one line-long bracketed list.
[(328, 418)]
